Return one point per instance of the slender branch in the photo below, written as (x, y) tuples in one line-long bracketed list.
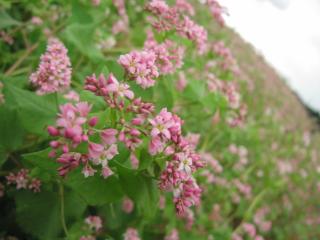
[(62, 214), (21, 59)]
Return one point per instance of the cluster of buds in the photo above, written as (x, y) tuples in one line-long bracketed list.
[(122, 25), (23, 180), (54, 71), (242, 154), (140, 66), (249, 230), (167, 139), (243, 188), (169, 56), (228, 89), (74, 127), (168, 18), (217, 11), (228, 61)]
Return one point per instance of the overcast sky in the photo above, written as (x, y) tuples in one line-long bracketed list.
[(287, 33)]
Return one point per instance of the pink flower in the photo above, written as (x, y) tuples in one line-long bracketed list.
[(36, 21), (185, 162), (131, 234), (108, 136), (173, 235), (185, 6), (181, 82), (69, 162), (22, 180), (169, 56), (127, 205), (249, 229), (106, 172), (88, 171), (140, 67), (196, 33), (134, 161), (72, 95), (112, 91), (54, 71), (94, 222), (162, 124)]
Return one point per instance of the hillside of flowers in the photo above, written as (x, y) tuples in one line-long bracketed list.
[(147, 120)]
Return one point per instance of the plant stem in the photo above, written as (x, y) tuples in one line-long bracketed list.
[(62, 215), (57, 100)]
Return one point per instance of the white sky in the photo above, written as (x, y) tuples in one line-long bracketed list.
[(287, 33)]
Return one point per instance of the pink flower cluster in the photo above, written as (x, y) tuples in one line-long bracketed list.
[(244, 189), (169, 56), (247, 229), (122, 24), (74, 127), (228, 89), (228, 62), (185, 7), (54, 71), (260, 219), (217, 11), (242, 153), (166, 137), (171, 18), (94, 223), (140, 67), (195, 33), (23, 180), (131, 234), (115, 94)]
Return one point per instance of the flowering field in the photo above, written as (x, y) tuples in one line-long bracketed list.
[(147, 120)]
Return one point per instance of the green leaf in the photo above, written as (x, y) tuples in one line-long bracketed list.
[(11, 131), (95, 190), (42, 161), (35, 112), (143, 190), (3, 156), (6, 20), (82, 37), (39, 213)]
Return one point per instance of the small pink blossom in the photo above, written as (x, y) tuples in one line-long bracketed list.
[(36, 21), (131, 234), (94, 222), (173, 235), (181, 82), (127, 205)]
